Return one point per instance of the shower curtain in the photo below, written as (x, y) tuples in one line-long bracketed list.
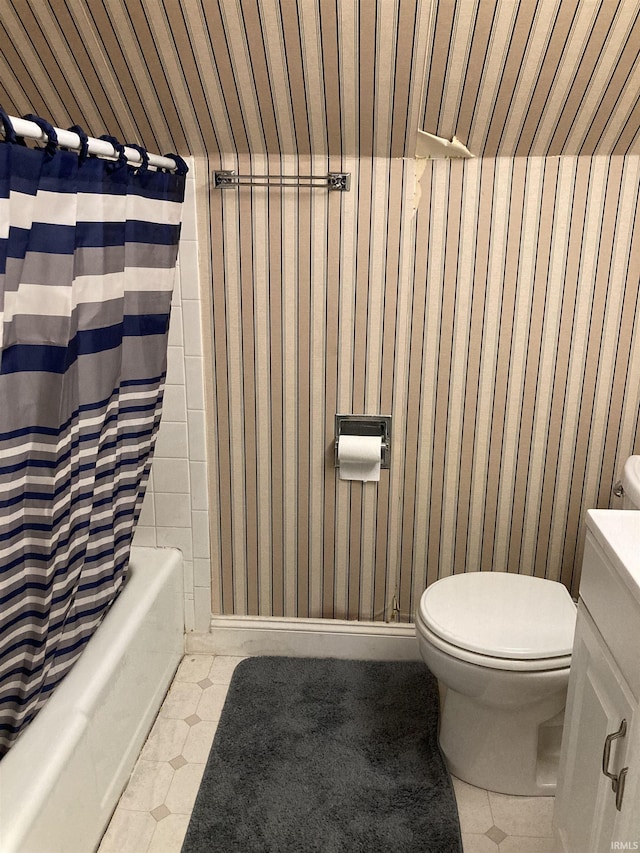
[(87, 262)]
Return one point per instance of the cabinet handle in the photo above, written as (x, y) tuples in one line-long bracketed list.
[(617, 781), (622, 775)]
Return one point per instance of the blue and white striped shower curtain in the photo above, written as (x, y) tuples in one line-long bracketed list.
[(87, 263)]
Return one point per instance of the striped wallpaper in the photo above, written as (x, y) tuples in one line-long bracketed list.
[(499, 324), (330, 77), (528, 78)]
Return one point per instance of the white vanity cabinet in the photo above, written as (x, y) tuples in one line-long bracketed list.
[(602, 720)]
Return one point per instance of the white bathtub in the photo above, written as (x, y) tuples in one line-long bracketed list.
[(63, 777)]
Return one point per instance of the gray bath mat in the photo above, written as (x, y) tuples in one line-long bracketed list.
[(326, 756)]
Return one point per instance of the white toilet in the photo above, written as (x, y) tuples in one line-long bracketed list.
[(500, 646)]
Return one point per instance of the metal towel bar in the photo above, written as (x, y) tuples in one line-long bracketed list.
[(333, 181)]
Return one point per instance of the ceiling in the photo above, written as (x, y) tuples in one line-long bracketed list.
[(330, 77)]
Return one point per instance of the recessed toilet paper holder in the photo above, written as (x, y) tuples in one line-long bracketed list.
[(366, 425)]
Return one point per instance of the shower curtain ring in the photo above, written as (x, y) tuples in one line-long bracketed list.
[(52, 137), (84, 142), (143, 156), (9, 132), (181, 166), (119, 149)]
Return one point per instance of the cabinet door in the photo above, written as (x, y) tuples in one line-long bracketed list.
[(597, 703)]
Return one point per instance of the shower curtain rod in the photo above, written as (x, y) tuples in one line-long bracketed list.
[(69, 139)]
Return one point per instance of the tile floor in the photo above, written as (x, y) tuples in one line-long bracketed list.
[(153, 812)]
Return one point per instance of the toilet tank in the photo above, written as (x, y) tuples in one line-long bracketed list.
[(631, 483)]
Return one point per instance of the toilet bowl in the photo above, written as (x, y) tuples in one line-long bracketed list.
[(500, 644)]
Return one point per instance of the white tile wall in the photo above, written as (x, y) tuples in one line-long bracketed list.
[(175, 510)]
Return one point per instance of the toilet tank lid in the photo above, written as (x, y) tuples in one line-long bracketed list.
[(501, 615)]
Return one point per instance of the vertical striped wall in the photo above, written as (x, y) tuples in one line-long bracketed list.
[(499, 324)]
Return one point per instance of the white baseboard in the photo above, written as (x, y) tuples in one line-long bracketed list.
[(249, 636)]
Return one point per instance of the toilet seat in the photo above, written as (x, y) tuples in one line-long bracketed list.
[(490, 661), (500, 620)]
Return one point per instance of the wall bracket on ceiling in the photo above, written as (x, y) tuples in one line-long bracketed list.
[(333, 181)]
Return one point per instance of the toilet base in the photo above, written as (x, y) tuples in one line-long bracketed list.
[(508, 751)]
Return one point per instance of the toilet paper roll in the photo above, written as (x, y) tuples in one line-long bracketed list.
[(359, 457)]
